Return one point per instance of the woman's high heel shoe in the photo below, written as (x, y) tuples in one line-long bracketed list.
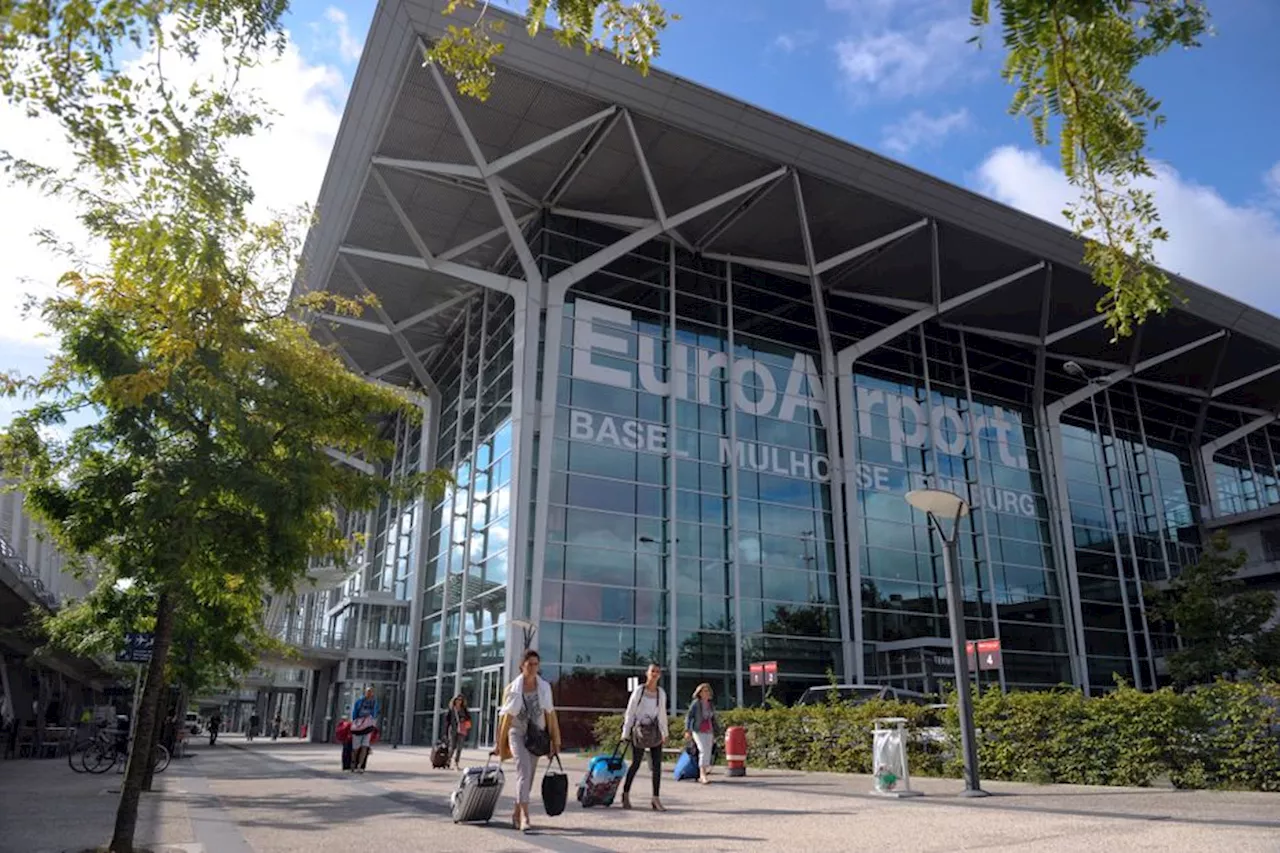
[(626, 800), (656, 805), (515, 818)]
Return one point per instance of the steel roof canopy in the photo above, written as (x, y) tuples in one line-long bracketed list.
[(632, 149)]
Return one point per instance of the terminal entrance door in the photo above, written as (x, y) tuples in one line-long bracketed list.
[(485, 714)]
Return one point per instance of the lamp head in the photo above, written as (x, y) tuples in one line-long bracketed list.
[(1074, 369), (941, 504)]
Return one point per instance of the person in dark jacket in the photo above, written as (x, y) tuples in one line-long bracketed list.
[(215, 725)]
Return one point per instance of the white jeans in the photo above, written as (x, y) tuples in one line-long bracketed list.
[(705, 742)]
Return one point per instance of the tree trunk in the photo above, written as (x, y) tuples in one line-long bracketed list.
[(144, 730), (160, 715)]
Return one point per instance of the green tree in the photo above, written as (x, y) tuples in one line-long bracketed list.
[(1220, 622), (205, 479), (1072, 63)]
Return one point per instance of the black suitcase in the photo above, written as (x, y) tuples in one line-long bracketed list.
[(440, 755), (477, 793)]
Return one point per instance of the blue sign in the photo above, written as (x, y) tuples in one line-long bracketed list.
[(137, 647)]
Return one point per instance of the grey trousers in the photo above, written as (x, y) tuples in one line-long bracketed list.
[(526, 765)]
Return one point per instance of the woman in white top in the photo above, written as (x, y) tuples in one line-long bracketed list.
[(526, 705), (645, 728)]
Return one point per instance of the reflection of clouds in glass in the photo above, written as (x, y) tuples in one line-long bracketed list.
[(749, 549)]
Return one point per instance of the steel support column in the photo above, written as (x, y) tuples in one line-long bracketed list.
[(831, 422)]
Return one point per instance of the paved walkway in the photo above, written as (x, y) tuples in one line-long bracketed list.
[(287, 797)]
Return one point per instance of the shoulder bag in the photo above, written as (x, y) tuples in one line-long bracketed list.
[(537, 739), (646, 733)]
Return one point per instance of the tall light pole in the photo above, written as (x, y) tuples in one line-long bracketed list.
[(943, 508)]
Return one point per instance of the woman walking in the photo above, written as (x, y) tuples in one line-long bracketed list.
[(457, 725), (364, 727), (645, 728), (527, 730), (700, 726)]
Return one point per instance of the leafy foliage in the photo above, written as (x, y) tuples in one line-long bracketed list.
[(1224, 735), (1073, 63), (1222, 626), (628, 29), (204, 479)]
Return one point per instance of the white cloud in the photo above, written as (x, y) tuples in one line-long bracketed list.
[(349, 47), (902, 48), (1234, 249), (903, 63), (285, 163), (921, 130), (792, 42), (1271, 181)]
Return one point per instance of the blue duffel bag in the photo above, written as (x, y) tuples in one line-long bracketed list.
[(687, 764)]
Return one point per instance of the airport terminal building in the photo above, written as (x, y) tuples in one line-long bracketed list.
[(685, 358)]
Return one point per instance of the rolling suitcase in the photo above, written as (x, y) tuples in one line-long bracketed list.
[(600, 784), (477, 793), (440, 755), (686, 765)]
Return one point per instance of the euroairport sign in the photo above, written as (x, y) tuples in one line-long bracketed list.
[(761, 388)]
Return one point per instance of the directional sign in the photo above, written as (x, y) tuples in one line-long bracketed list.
[(764, 673), (983, 654), (137, 647), (771, 672)]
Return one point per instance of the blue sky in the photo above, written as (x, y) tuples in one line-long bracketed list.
[(895, 76)]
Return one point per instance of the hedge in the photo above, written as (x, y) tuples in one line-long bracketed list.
[(828, 737), (1225, 735)]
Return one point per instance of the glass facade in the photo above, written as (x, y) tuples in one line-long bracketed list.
[(689, 513), (465, 587)]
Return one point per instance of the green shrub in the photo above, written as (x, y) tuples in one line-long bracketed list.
[(1224, 735)]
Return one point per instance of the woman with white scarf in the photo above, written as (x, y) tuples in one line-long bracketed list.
[(527, 715)]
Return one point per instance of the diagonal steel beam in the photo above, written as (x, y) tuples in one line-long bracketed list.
[(726, 222), (409, 322), (1228, 387), (429, 166), (423, 355), (476, 242), (508, 160), (877, 339), (801, 270), (1062, 334), (347, 358), (870, 246), (348, 459), (889, 301), (608, 254), (353, 322), (482, 278), (615, 219), (532, 274), (579, 160), (1056, 408), (406, 350), (655, 198)]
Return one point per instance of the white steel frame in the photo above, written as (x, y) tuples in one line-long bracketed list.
[(534, 406)]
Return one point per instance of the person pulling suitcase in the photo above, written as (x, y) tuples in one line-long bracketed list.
[(527, 730)]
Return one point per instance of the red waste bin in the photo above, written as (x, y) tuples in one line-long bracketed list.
[(303, 734), (735, 750)]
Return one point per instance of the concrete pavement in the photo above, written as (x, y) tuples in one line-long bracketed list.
[(288, 797)]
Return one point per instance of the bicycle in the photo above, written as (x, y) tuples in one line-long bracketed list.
[(105, 749)]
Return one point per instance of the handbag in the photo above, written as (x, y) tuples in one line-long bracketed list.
[(537, 739), (555, 789), (647, 734)]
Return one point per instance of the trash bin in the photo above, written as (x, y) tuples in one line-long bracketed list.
[(889, 758)]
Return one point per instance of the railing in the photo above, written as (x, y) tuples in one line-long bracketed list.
[(28, 575), (308, 638)]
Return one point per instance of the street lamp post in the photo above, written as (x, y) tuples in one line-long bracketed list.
[(939, 505)]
